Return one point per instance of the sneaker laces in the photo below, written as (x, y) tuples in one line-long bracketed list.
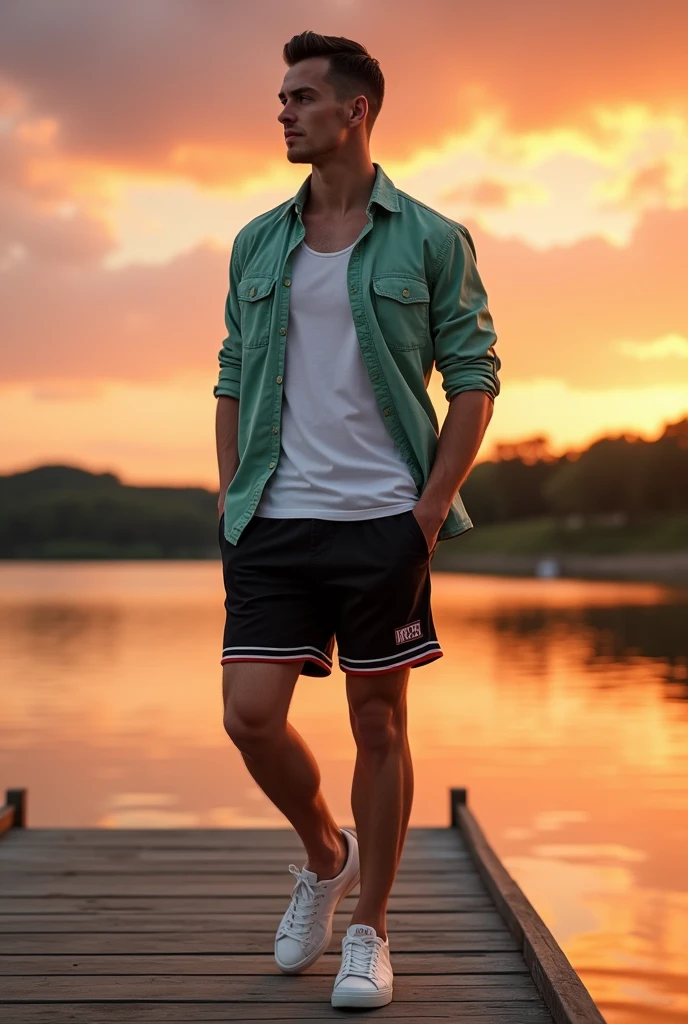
[(297, 922), (360, 957)]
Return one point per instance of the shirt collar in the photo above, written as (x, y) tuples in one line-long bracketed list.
[(384, 193)]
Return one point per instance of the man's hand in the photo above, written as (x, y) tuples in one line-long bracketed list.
[(430, 520)]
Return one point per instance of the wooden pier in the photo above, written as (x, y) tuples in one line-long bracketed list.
[(174, 925)]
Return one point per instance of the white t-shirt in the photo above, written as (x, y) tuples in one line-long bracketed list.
[(337, 458)]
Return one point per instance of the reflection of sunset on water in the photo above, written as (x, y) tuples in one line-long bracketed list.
[(561, 705)]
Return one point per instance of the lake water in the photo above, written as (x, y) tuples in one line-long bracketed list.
[(561, 705)]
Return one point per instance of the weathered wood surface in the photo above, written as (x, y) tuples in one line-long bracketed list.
[(111, 926), (154, 923), (225, 943), (214, 963), (190, 885), (190, 1012), (92, 905)]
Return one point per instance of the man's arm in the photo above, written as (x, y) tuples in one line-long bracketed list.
[(228, 387), (226, 434), (460, 439), (464, 337)]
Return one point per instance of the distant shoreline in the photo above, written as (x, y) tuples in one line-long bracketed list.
[(668, 567)]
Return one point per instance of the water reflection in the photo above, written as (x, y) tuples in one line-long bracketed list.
[(560, 704)]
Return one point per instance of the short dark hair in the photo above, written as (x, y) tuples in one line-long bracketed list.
[(352, 70)]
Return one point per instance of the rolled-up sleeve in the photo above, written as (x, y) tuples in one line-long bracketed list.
[(229, 356), (460, 321)]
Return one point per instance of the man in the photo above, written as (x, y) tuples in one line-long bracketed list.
[(334, 486)]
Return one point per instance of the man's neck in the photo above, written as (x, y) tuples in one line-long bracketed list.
[(339, 190)]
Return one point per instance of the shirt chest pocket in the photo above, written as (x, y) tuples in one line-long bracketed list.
[(255, 295), (402, 306)]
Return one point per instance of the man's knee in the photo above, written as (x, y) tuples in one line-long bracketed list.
[(247, 731), (377, 724)]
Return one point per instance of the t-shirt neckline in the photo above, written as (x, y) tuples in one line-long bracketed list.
[(339, 252)]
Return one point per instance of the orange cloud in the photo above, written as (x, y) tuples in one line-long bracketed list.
[(158, 86)]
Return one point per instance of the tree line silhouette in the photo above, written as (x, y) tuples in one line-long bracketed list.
[(67, 512), (625, 476)]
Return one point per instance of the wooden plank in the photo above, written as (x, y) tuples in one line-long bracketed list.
[(234, 838), (430, 1012), (215, 863), (302, 987), (129, 921), (563, 991), (221, 943), (14, 883), (50, 854), (251, 964), (95, 905)]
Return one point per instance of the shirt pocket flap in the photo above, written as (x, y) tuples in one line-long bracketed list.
[(250, 289), (401, 288)]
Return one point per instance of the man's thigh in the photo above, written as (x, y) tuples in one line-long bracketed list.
[(382, 697), (257, 695)]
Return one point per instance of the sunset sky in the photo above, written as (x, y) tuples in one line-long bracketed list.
[(136, 139)]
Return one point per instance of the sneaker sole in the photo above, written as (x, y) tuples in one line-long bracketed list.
[(362, 999), (316, 953)]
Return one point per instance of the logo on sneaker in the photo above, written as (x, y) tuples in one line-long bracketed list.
[(410, 632), (363, 931)]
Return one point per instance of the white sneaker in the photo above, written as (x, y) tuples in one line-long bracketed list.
[(305, 931), (365, 977)]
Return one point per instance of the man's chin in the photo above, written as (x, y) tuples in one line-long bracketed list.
[(297, 158)]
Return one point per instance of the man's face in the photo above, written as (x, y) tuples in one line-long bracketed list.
[(309, 109)]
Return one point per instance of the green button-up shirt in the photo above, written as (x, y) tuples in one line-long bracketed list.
[(417, 301)]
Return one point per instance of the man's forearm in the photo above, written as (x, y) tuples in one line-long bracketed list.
[(460, 439), (226, 437)]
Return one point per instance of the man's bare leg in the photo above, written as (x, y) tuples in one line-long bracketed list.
[(256, 697), (382, 791)]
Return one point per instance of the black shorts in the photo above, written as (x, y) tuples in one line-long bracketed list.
[(294, 585)]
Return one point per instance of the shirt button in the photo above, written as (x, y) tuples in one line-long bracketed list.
[(271, 466), (405, 292), (283, 330), (287, 282), (279, 380), (387, 412), (252, 292), (274, 430), (353, 288)]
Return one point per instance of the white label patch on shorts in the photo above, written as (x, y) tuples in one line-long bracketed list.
[(410, 632)]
